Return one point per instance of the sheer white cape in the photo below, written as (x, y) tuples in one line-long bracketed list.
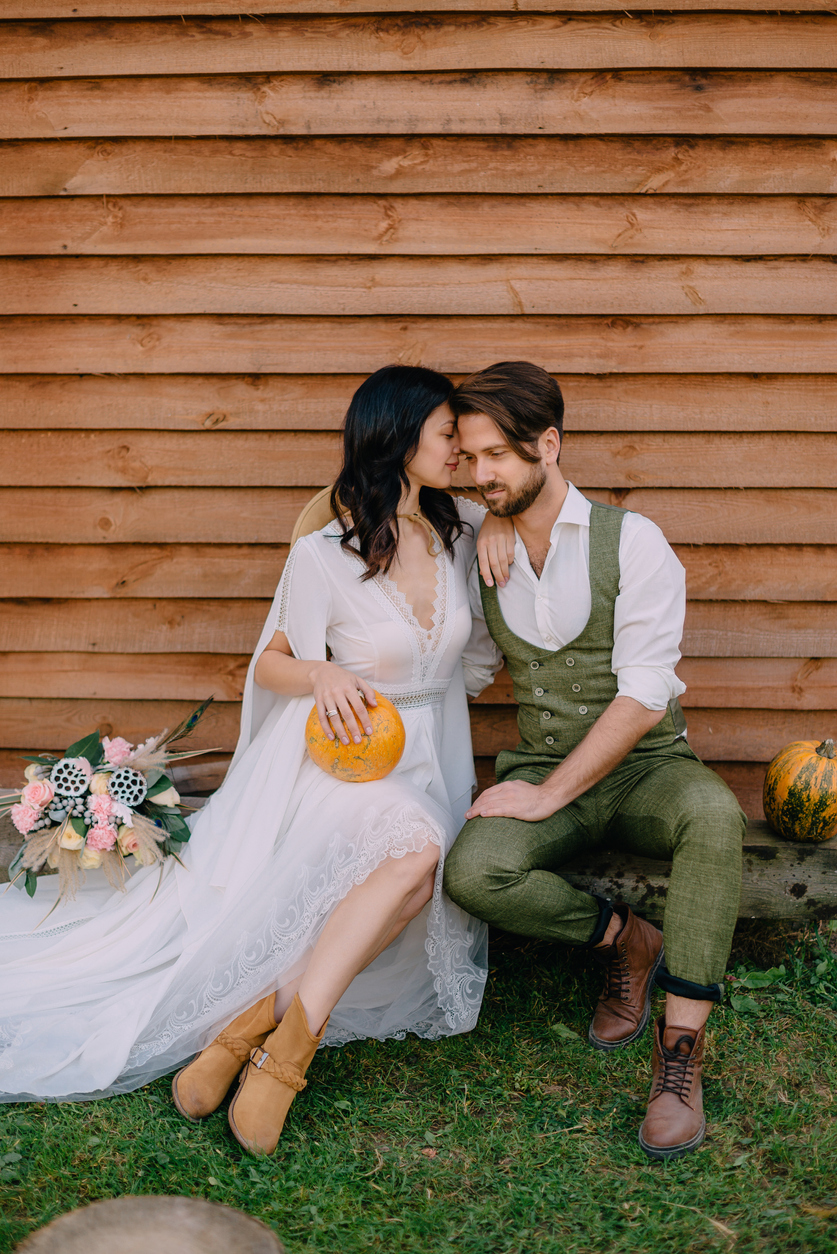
[(116, 989)]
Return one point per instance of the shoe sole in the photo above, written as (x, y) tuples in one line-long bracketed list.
[(673, 1151), (256, 1153), (608, 1046), (176, 1099)]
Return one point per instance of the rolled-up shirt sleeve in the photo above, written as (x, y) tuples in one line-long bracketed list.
[(481, 658), (648, 615)]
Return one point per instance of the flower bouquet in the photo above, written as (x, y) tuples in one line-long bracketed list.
[(104, 801)]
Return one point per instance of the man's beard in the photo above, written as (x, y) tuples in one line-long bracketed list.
[(525, 496)]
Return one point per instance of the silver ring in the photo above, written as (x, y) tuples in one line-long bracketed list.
[(331, 713)]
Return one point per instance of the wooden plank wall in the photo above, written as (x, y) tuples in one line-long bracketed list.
[(213, 226)]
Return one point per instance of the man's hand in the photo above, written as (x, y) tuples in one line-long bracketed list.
[(608, 741), (513, 800)]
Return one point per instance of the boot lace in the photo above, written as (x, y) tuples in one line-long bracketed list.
[(618, 978), (676, 1070)]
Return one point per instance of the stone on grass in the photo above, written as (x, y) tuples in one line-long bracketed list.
[(164, 1225)]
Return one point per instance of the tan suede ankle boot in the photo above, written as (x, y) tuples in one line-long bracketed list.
[(271, 1080), (200, 1087)]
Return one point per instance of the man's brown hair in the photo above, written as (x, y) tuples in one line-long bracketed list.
[(523, 400)]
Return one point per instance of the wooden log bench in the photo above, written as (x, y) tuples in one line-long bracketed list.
[(782, 880)]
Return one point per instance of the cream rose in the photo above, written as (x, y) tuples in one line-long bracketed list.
[(34, 771), (71, 839), (90, 860), (127, 839), (171, 797), (99, 785)]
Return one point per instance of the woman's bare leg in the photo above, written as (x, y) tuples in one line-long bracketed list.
[(414, 906), (361, 926)]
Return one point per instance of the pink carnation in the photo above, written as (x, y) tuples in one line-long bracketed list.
[(24, 818), (38, 794), (102, 836), (117, 751), (101, 807)]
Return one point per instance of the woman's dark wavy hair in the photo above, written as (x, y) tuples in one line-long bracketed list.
[(381, 434)]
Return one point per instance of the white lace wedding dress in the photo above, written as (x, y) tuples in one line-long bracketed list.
[(116, 989)]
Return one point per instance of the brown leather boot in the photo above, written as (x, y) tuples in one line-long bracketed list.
[(674, 1123), (200, 1087), (624, 1007), (271, 1080)]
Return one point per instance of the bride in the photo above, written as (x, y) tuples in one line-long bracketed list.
[(308, 910)]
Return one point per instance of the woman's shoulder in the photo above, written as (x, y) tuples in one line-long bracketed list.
[(469, 508)]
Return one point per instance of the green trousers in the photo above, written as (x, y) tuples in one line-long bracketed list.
[(663, 804)]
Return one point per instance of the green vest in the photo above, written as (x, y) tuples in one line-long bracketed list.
[(560, 694)]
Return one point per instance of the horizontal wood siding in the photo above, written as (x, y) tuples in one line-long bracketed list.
[(213, 226)]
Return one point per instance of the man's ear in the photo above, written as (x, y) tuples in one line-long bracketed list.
[(549, 443)]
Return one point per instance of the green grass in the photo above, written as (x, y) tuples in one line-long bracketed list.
[(515, 1138)]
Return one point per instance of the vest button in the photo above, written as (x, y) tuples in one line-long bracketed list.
[(582, 709), (576, 687), (539, 692), (550, 740), (570, 661), (534, 665), (546, 714)]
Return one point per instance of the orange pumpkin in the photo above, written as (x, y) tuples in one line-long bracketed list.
[(373, 758), (800, 791)]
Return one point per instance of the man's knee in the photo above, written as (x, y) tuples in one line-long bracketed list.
[(473, 870), (709, 813)]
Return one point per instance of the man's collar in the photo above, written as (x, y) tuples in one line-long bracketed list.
[(575, 509)]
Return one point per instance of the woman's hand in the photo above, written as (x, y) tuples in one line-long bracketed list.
[(340, 695), (495, 549)]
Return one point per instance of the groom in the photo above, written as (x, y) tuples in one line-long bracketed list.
[(590, 621)]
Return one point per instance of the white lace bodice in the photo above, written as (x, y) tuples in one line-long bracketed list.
[(322, 592)]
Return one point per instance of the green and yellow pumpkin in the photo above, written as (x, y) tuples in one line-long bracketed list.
[(800, 791)]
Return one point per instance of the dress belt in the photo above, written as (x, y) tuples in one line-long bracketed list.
[(413, 698)]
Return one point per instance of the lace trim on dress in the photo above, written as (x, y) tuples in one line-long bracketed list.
[(284, 595), (477, 511), (59, 930), (295, 923), (413, 698), (426, 645)]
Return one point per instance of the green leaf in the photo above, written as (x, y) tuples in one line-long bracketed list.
[(89, 747), (759, 979), (46, 759), (31, 882), (78, 825), (161, 784), (153, 775), (745, 1005), (15, 866), (566, 1034), (175, 826)]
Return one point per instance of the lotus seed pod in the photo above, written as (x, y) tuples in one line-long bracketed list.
[(128, 786)]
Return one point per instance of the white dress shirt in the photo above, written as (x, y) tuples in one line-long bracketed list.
[(648, 612)]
